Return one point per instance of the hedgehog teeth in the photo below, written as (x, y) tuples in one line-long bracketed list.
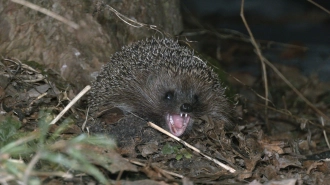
[(177, 123), (184, 116), (171, 120)]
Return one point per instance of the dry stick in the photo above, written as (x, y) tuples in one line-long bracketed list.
[(325, 133), (230, 169), (84, 124), (165, 171), (118, 177), (38, 98), (126, 19), (75, 99), (254, 43), (319, 6), (65, 175), (131, 22), (47, 12), (19, 63), (310, 104), (40, 77)]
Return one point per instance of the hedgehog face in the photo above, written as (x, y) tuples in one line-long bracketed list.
[(179, 107), (175, 100)]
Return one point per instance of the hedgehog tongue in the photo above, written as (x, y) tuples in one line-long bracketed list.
[(177, 123)]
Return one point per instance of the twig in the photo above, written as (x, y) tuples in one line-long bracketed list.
[(22, 65), (230, 169), (165, 171), (127, 20), (84, 124), (132, 22), (325, 133), (118, 177), (47, 12), (313, 166), (65, 175), (255, 45), (38, 98), (310, 104), (319, 6), (75, 99)]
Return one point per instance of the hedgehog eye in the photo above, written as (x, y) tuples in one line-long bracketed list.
[(169, 95)]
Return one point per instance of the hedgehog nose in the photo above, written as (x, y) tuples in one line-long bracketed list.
[(186, 107)]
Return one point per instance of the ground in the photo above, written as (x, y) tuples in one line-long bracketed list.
[(283, 140)]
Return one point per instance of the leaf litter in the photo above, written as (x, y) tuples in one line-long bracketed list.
[(291, 152), (288, 145)]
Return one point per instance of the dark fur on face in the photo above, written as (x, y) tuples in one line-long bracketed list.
[(163, 82)]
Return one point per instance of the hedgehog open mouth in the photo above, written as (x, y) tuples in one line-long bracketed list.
[(177, 123)]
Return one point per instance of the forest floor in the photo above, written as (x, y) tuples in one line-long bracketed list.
[(280, 139)]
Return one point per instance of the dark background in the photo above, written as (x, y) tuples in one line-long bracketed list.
[(296, 22)]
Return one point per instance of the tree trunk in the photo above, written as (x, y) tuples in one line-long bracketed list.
[(28, 35)]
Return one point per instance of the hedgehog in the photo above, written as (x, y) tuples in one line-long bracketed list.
[(163, 82)]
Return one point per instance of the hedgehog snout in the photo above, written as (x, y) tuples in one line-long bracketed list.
[(186, 107)]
